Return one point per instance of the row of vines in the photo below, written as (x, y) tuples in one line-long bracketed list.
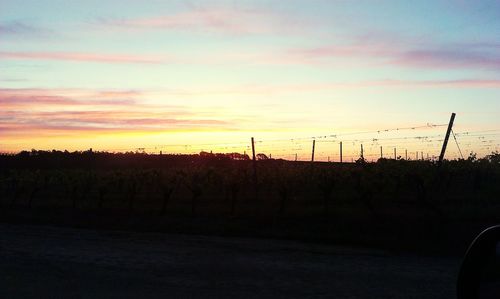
[(279, 187)]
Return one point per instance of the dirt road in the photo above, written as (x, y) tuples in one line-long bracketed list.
[(51, 262)]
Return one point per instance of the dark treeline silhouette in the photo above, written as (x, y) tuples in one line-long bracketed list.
[(106, 160), (91, 159)]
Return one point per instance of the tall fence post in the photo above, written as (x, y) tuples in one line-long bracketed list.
[(254, 162), (341, 152), (406, 154), (445, 143), (362, 153), (395, 154), (314, 145), (253, 150), (381, 153)]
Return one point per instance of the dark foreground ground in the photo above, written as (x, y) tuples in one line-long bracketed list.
[(50, 262)]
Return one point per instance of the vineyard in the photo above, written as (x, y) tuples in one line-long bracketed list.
[(356, 203)]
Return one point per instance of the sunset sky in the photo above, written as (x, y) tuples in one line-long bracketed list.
[(185, 76)]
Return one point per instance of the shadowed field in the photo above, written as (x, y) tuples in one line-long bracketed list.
[(414, 206), (135, 225), (42, 261)]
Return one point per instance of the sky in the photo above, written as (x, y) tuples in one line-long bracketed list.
[(186, 76)]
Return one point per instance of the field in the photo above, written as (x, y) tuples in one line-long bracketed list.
[(55, 262), (392, 204)]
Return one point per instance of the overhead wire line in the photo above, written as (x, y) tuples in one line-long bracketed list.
[(429, 125), (456, 141)]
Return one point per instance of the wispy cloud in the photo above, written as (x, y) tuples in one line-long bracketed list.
[(133, 101), (449, 58), (458, 83), (28, 110), (17, 27), (427, 56), (12, 80), (267, 89), (222, 19), (83, 57), (103, 121), (369, 54), (15, 98), (21, 29)]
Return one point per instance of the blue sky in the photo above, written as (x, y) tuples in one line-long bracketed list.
[(127, 74)]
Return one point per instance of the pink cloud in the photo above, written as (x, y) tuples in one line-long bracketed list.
[(379, 51), (461, 83), (103, 121), (12, 98), (366, 50), (229, 20), (265, 89), (67, 110), (83, 57), (449, 58), (399, 53)]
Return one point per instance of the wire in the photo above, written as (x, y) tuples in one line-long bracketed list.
[(428, 125), (480, 141), (454, 137)]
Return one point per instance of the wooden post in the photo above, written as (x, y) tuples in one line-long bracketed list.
[(422, 155), (253, 150), (341, 152), (314, 145), (395, 154), (254, 162), (446, 138), (416, 156), (406, 154), (381, 153), (362, 154)]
